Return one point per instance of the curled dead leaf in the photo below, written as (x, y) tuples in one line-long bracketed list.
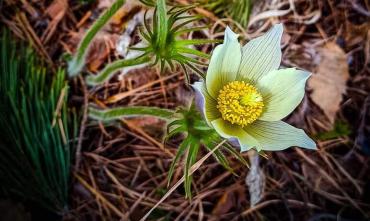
[(232, 199), (329, 82)]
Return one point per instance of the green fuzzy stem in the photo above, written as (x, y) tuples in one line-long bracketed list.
[(125, 112), (110, 69), (162, 22), (78, 61)]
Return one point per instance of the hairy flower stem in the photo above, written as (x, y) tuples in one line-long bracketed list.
[(255, 179), (110, 69), (121, 112), (78, 60)]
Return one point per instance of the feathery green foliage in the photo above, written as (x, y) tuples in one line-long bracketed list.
[(197, 133), (78, 60), (238, 10), (162, 41), (34, 133)]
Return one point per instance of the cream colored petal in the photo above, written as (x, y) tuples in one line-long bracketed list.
[(277, 135), (207, 104), (228, 130), (261, 55), (282, 91), (224, 63)]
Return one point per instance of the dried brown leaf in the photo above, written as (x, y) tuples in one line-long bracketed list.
[(329, 82), (100, 50), (56, 11), (356, 34), (233, 198), (225, 203)]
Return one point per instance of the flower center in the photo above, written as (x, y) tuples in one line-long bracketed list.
[(239, 103)]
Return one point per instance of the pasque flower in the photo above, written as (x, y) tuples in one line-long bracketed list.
[(245, 95)]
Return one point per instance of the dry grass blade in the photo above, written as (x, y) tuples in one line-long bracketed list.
[(330, 179), (99, 196), (178, 183), (117, 97), (269, 202)]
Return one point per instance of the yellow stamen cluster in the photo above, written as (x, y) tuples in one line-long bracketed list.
[(239, 103)]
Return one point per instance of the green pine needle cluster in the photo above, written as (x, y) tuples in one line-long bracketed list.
[(162, 39), (197, 133), (34, 133), (238, 10)]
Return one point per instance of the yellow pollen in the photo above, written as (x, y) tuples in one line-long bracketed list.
[(239, 103)]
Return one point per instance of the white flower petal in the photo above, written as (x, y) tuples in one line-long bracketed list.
[(207, 104), (277, 135), (228, 130), (261, 55), (282, 91), (224, 63)]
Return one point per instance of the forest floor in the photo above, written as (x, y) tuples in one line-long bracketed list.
[(122, 170)]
